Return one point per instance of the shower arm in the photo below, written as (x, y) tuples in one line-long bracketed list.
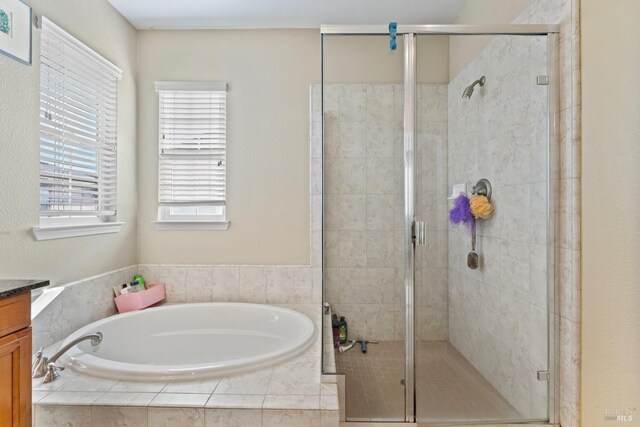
[(480, 82)]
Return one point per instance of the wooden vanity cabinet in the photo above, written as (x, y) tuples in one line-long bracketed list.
[(15, 361)]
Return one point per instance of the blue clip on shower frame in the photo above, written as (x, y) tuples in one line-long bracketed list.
[(393, 28)]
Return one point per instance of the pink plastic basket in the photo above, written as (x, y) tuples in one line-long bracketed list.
[(139, 300)]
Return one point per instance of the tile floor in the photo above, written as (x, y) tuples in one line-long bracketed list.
[(372, 382), (449, 388)]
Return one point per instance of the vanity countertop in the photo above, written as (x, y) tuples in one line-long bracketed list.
[(10, 288)]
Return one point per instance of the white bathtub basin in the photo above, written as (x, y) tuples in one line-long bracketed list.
[(191, 341)]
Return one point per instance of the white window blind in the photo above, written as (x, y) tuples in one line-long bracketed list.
[(192, 143), (78, 97)]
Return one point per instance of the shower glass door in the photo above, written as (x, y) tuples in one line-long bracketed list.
[(448, 315), (482, 332), (363, 224)]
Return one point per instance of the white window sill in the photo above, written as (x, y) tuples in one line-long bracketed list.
[(191, 225), (63, 231)]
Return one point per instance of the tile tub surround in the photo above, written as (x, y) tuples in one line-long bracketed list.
[(259, 284), (288, 394), (91, 299), (363, 204), (252, 399), (79, 304)]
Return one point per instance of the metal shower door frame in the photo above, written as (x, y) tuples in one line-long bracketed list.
[(410, 198), (410, 33)]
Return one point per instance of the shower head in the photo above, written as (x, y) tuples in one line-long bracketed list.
[(468, 91)]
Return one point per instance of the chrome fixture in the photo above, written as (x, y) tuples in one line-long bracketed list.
[(419, 234), (483, 188), (446, 29), (473, 257), (327, 308), (410, 201), (46, 366), (468, 91)]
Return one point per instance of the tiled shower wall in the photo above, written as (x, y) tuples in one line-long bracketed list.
[(432, 275), (498, 313), (520, 300), (364, 205)]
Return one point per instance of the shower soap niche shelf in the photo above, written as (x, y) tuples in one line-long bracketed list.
[(456, 190), (139, 300)]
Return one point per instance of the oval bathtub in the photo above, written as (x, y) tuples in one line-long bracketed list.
[(191, 341)]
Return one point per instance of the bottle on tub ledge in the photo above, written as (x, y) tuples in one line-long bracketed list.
[(138, 278), (335, 327), (137, 285), (138, 295), (343, 330)]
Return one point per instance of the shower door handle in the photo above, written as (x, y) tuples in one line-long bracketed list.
[(419, 233)]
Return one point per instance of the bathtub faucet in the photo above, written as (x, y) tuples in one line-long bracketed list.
[(46, 366)]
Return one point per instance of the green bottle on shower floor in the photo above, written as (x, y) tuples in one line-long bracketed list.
[(342, 327)]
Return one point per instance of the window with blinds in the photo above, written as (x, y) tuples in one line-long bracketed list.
[(192, 150), (78, 109)]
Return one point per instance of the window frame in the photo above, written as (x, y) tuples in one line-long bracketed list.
[(94, 68), (165, 219), (164, 214)]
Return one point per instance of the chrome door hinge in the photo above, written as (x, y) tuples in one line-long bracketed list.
[(544, 376), (543, 80)]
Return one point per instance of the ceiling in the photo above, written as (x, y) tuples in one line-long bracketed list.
[(172, 14)]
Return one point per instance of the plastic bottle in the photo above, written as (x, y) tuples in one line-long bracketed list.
[(342, 326), (138, 278), (335, 326)]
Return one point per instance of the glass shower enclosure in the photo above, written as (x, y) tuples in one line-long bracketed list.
[(438, 191)]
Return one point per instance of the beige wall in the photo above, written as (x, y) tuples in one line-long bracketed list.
[(611, 206), (463, 49), (269, 74), (97, 24)]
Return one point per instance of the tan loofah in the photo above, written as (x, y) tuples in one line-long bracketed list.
[(481, 207)]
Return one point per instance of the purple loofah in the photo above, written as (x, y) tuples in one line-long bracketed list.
[(461, 212)]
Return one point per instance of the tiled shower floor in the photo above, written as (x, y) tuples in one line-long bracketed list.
[(449, 388), (372, 381)]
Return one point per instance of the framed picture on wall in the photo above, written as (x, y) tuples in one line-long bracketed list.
[(15, 30)]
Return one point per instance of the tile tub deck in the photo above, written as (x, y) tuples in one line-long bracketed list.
[(290, 394)]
